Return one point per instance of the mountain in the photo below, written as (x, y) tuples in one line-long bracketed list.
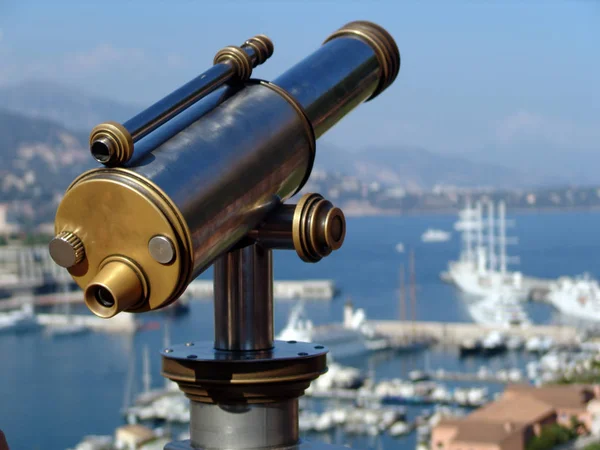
[(64, 105), (413, 167), (39, 160)]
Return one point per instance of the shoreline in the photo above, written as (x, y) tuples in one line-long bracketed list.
[(373, 212)]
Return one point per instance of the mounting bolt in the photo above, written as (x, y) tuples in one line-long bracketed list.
[(161, 249)]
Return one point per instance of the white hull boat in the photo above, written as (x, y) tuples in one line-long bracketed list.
[(354, 337), (578, 297)]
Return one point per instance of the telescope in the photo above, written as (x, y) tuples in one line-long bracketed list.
[(201, 178)]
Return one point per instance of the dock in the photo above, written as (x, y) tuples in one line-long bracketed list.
[(17, 301), (536, 289), (121, 323), (454, 333), (282, 290)]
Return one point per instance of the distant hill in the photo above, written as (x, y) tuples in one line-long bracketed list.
[(39, 160), (64, 105), (36, 136), (412, 167)]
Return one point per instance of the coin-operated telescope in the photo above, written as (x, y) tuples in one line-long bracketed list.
[(200, 178)]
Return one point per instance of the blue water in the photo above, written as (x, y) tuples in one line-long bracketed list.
[(54, 391)]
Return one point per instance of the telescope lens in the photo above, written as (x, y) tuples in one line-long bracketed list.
[(101, 150), (104, 297)]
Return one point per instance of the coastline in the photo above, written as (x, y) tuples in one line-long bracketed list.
[(354, 211)]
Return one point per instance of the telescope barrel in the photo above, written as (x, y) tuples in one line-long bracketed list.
[(356, 63), (202, 181), (112, 143)]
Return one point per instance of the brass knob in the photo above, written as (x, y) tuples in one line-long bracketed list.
[(66, 249), (318, 228)]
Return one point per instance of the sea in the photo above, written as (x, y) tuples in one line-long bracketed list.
[(54, 391)]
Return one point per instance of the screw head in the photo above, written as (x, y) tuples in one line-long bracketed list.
[(161, 249)]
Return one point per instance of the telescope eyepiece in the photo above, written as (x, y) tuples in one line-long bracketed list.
[(118, 286), (102, 150), (104, 297)]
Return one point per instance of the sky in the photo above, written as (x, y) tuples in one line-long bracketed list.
[(476, 78)]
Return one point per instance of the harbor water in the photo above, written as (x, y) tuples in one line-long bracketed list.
[(54, 391)]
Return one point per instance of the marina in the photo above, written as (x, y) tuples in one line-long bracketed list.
[(430, 312)]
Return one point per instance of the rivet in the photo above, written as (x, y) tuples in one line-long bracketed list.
[(192, 356), (161, 249), (168, 350), (302, 354), (319, 347), (189, 344)]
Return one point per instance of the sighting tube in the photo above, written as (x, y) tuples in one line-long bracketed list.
[(112, 143), (203, 180)]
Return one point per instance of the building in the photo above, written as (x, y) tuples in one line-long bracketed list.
[(517, 416), (6, 228)]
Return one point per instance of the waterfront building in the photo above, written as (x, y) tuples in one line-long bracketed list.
[(517, 416)]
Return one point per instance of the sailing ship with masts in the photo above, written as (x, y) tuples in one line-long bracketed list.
[(480, 270)]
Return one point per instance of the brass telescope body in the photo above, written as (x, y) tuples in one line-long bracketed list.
[(208, 176), (200, 178)]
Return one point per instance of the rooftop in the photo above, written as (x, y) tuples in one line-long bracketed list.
[(512, 410)]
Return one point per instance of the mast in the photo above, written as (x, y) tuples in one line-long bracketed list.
[(167, 344), (128, 394), (147, 379), (469, 230), (402, 308), (413, 291), (479, 256), (502, 237), (491, 240)]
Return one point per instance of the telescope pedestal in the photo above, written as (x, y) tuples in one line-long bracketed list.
[(244, 386)]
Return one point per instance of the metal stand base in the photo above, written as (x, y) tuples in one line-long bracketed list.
[(302, 445), (244, 426)]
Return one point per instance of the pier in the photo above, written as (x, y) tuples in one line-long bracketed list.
[(453, 333), (122, 323), (282, 290)]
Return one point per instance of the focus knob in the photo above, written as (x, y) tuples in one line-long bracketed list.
[(318, 228), (66, 249)]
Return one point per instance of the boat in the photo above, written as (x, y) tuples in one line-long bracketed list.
[(70, 327), (400, 428), (493, 343), (479, 271), (338, 377), (499, 309), (577, 297), (21, 320), (435, 235), (355, 336), (515, 342), (539, 344), (470, 347)]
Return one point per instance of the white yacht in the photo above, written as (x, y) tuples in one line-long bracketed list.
[(354, 337), (479, 271), (433, 235), (19, 321), (499, 309), (577, 297)]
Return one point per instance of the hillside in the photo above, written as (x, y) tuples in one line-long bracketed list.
[(39, 160), (66, 106), (417, 168)]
